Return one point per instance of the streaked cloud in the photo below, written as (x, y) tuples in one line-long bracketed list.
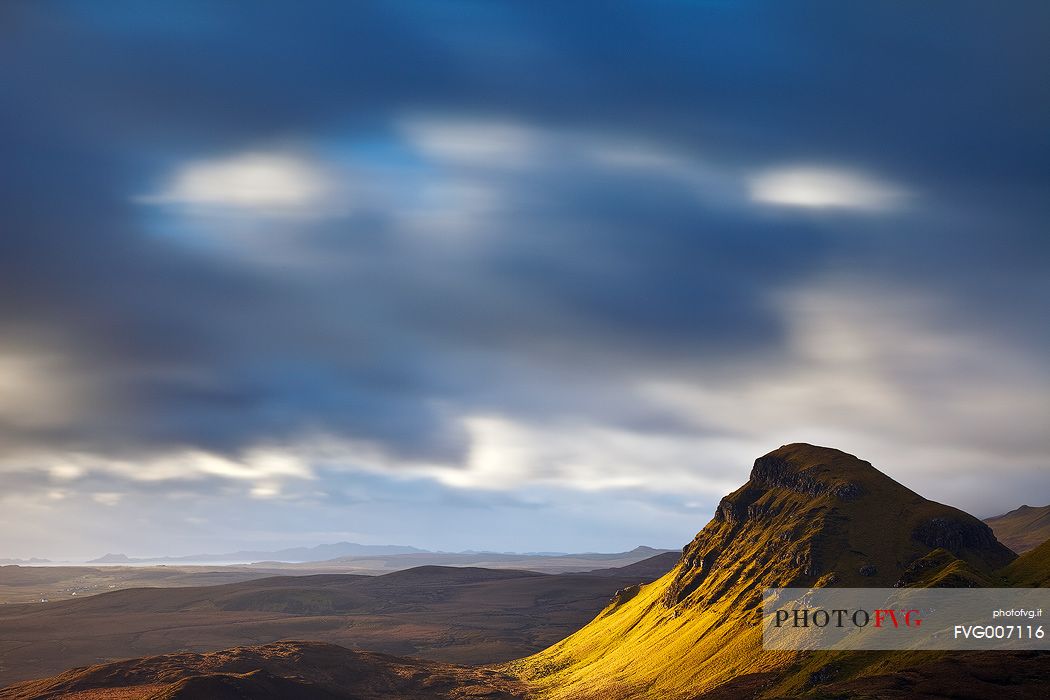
[(510, 455), (816, 187)]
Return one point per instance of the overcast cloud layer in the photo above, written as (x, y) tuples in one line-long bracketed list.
[(509, 275)]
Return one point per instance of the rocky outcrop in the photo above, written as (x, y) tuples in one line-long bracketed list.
[(624, 594), (962, 535), (774, 471)]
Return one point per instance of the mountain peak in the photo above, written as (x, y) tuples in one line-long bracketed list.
[(811, 515), (111, 558), (813, 470)]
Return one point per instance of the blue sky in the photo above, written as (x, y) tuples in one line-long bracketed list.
[(515, 276)]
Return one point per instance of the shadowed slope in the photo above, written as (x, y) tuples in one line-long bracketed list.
[(455, 615), (645, 571), (807, 516), (972, 676), (279, 670)]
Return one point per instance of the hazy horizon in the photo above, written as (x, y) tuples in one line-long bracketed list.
[(146, 558), (275, 545), (509, 277)]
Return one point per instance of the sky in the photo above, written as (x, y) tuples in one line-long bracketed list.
[(518, 276)]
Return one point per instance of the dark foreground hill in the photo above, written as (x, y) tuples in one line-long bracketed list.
[(646, 570), (971, 676), (278, 671), (459, 615), (1022, 529)]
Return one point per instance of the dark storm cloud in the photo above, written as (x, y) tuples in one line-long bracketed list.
[(585, 269)]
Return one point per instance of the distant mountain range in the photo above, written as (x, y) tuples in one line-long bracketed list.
[(1022, 529), (24, 562), (546, 563), (361, 558), (320, 552)]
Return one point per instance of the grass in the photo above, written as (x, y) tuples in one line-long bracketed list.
[(1031, 569)]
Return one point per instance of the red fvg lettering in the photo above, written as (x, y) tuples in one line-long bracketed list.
[(908, 618)]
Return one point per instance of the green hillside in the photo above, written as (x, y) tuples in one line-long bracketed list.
[(1031, 568)]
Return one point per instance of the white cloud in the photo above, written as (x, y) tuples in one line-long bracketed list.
[(265, 490), (262, 207), (259, 182), (817, 187), (263, 470), (65, 471), (508, 454)]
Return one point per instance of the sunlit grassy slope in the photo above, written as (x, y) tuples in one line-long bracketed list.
[(641, 648), (1031, 568), (808, 516)]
